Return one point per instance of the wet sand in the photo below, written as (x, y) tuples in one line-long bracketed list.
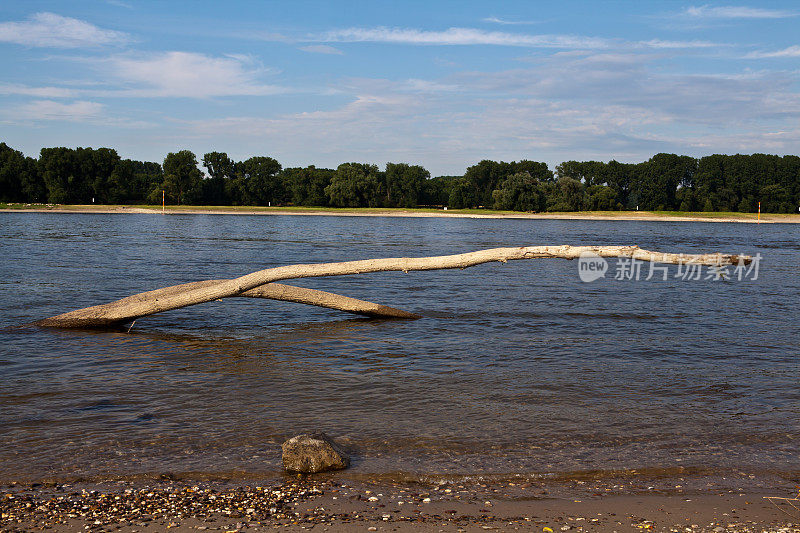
[(376, 212), (298, 504)]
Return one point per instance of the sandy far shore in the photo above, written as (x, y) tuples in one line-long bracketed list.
[(420, 213), (347, 506)]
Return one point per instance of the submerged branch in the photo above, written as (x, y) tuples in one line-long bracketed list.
[(270, 291)]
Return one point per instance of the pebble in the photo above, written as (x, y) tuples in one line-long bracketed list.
[(139, 506)]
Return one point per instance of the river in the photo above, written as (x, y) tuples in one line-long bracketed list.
[(514, 369)]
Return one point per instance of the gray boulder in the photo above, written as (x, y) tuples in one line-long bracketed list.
[(313, 453)]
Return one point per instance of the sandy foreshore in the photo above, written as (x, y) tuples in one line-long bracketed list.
[(420, 213), (301, 504)]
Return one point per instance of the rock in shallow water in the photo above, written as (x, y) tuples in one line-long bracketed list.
[(313, 453)]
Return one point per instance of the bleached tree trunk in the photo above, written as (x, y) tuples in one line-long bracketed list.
[(148, 303), (270, 291)]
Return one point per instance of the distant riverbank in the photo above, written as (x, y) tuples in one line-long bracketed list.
[(673, 216)]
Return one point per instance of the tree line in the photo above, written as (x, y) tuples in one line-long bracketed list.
[(664, 182)]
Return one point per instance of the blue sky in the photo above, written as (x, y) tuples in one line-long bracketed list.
[(442, 84)]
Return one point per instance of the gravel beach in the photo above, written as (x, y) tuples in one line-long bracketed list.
[(300, 504)]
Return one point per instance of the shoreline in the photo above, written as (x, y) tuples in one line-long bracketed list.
[(331, 504), (655, 216)]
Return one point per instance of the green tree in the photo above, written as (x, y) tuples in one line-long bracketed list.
[(355, 185), (120, 184), (65, 184), (404, 184), (98, 166), (147, 178), (462, 194), (567, 194), (20, 180), (686, 197), (307, 185), (259, 181), (587, 172), (747, 205), (775, 199), (79, 175), (486, 176), (436, 191), (725, 199), (658, 179), (182, 178), (619, 176), (221, 171), (33, 186), (601, 198), (520, 192)]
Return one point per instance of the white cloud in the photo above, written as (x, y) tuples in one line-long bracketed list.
[(565, 106), (426, 86), (321, 49), (462, 36), (386, 86), (629, 80), (471, 36), (672, 45), (161, 75), (373, 127), (119, 3), (78, 111), (86, 112), (366, 129), (187, 75), (51, 30), (735, 12), (792, 51), (10, 89), (497, 20), (443, 135)]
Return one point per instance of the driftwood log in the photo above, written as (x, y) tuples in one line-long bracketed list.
[(262, 284), (83, 318), (287, 293)]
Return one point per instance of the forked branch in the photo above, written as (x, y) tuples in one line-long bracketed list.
[(256, 284)]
